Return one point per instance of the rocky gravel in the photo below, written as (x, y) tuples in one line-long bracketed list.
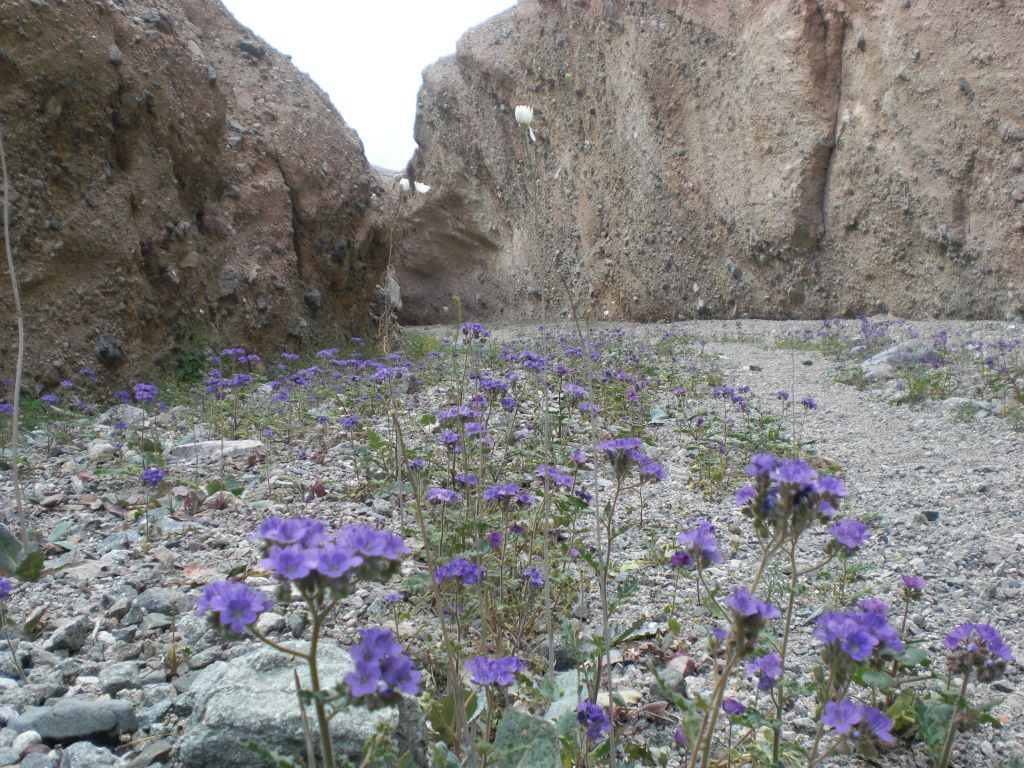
[(120, 671)]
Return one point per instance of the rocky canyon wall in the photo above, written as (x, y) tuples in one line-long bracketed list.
[(175, 182), (769, 158)]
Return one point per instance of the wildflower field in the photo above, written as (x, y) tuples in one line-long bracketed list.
[(562, 546)]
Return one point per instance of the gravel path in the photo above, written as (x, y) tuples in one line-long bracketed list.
[(945, 496)]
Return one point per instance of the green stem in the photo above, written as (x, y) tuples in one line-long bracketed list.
[(793, 574), (318, 704), (948, 747), (714, 707)]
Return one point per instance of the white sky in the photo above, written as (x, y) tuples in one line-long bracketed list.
[(368, 55)]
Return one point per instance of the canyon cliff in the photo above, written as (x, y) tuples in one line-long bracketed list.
[(176, 184), (767, 158)]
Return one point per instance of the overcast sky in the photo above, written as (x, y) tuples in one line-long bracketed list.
[(368, 55)]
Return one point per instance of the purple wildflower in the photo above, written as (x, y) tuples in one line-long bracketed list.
[(914, 585), (733, 707), (443, 496), (235, 604), (593, 718), (533, 577), (842, 715), (500, 671), (460, 568), (381, 666), (850, 534), (153, 477), (743, 603), (700, 543), (291, 562)]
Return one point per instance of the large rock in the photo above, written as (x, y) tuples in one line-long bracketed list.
[(252, 698), (83, 754), (71, 720), (174, 180), (770, 158), (207, 450)]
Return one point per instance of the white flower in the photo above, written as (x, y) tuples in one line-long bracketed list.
[(403, 184), (524, 115), (422, 188)]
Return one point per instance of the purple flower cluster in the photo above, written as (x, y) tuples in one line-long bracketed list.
[(500, 671), (857, 721), (767, 669), (235, 605), (533, 577), (859, 633), (556, 476), (574, 391), (700, 544), (504, 492), (456, 413), (381, 666), (153, 476), (977, 646), (144, 393), (788, 495), (749, 617), (733, 707), (460, 568), (652, 471), (475, 331), (297, 548), (913, 586), (622, 452), (443, 496), (849, 535), (5, 588), (593, 718)]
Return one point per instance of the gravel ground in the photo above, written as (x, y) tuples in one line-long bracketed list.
[(941, 494)]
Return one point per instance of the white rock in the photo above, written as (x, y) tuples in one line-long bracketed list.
[(215, 449), (25, 740), (100, 451)]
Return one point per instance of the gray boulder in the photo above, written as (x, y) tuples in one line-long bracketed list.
[(77, 719), (208, 450), (170, 602), (84, 754), (882, 365), (252, 698), (70, 636)]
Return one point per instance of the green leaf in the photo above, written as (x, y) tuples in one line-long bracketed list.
[(902, 710), (874, 678), (933, 721), (10, 551), (444, 757), (913, 656), (642, 754), (524, 741), (31, 567), (427, 419)]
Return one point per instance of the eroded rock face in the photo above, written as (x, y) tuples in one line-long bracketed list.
[(789, 158), (174, 181)]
